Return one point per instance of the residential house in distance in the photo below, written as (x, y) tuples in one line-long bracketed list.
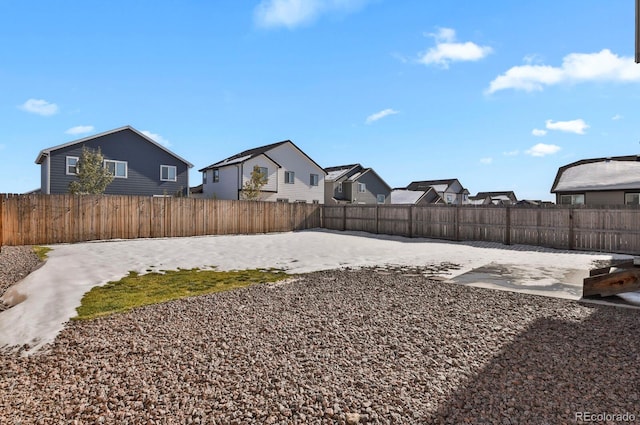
[(354, 184), (449, 190), (402, 196), (140, 165), (291, 175), (599, 181), (495, 198)]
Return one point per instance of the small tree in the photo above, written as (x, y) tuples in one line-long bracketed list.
[(93, 177), (251, 188)]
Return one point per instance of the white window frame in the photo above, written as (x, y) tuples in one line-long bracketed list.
[(115, 167), (572, 199), (67, 165), (380, 196), (362, 188), (215, 175), (289, 177), (314, 179), (340, 187), (265, 173), (626, 201), (169, 179)]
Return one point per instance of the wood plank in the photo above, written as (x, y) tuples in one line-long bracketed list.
[(605, 285)]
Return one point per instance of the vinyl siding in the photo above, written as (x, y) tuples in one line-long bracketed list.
[(226, 188), (261, 161), (143, 165)]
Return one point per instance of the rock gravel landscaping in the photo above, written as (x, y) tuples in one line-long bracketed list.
[(347, 346)]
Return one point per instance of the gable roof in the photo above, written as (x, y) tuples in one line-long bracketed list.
[(438, 185), (334, 173), (405, 196), (45, 152), (252, 153), (612, 173), (499, 195), (364, 171)]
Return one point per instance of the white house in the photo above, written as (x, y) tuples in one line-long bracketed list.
[(291, 175)]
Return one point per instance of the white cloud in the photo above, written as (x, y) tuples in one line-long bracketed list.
[(541, 150), (379, 115), (157, 138), (538, 132), (617, 117), (511, 153), (80, 129), (574, 126), (575, 68), (40, 107), (448, 50), (487, 160), (294, 13)]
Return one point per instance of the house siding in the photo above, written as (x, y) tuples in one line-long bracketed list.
[(143, 166), (609, 197), (272, 172), (290, 159), (227, 187), (374, 188)]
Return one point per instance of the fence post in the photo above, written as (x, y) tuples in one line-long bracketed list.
[(344, 218), (507, 236), (457, 222), (410, 221), (571, 242), (377, 219)]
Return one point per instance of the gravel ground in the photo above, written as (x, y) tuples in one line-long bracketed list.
[(342, 347), (15, 263)]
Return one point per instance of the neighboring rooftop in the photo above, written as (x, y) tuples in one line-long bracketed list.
[(613, 173), (334, 173)]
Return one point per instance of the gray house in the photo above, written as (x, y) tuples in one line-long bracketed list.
[(599, 181), (140, 165), (354, 184), (449, 190)]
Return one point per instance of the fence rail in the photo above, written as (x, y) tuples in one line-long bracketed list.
[(48, 219)]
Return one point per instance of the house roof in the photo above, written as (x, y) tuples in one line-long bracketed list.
[(252, 153), (509, 194), (613, 173), (334, 173), (405, 196), (45, 152), (439, 185)]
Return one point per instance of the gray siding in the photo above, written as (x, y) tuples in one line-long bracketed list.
[(143, 165)]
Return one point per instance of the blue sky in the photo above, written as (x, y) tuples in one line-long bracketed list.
[(498, 94)]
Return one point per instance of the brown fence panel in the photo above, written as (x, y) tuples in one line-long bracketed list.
[(394, 220), (480, 223)]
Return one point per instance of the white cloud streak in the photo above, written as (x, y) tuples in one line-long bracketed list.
[(574, 126), (295, 13), (486, 161), (617, 117), (80, 129), (157, 138), (539, 132), (447, 50), (39, 107), (542, 149), (379, 115), (575, 68)]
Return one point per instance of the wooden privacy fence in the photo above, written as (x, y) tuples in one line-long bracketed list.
[(605, 229), (48, 219)]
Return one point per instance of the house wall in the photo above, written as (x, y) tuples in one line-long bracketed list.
[(374, 187), (290, 159), (143, 166), (604, 198), (227, 186), (44, 176), (272, 173)]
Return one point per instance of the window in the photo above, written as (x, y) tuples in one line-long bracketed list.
[(72, 165), (289, 177), (632, 198), (282, 200), (117, 168), (572, 199), (168, 173), (300, 201), (313, 179), (265, 172), (216, 175), (380, 199), (449, 199), (362, 188), (204, 177), (340, 187), (315, 201)]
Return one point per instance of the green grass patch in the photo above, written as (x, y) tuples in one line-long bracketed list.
[(137, 290), (42, 251)]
